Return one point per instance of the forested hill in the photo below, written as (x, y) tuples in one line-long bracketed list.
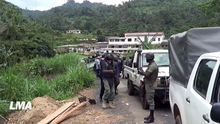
[(170, 16), (67, 7)]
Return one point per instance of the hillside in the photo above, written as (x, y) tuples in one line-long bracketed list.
[(170, 16), (67, 6)]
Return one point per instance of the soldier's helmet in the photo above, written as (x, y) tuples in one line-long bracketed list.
[(116, 58), (149, 55), (109, 57)]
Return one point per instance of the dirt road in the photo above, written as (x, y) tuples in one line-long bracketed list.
[(128, 110), (131, 108)]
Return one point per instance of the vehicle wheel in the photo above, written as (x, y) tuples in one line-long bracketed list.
[(145, 104), (130, 87), (178, 120)]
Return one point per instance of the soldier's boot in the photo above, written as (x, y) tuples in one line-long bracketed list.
[(150, 118), (104, 104), (111, 104)]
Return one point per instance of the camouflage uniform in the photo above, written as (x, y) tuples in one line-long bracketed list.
[(150, 84)]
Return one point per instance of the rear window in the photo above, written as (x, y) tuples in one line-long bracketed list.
[(161, 59)]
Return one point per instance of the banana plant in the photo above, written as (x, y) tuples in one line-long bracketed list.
[(6, 54), (146, 44)]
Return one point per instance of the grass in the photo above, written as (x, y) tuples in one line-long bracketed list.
[(59, 77)]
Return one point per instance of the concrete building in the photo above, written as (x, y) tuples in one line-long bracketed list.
[(132, 41), (81, 48), (74, 32)]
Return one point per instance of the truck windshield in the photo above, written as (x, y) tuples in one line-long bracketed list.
[(161, 59)]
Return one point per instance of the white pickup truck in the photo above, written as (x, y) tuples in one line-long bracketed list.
[(195, 76), (136, 81)]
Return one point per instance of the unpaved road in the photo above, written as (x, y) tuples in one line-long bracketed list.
[(131, 108)]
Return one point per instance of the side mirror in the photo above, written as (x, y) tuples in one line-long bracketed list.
[(215, 112), (135, 65)]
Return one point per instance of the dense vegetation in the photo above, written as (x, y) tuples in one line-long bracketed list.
[(29, 67), (59, 77), (170, 16)]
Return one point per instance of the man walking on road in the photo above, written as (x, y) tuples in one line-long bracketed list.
[(108, 73), (102, 61), (150, 84)]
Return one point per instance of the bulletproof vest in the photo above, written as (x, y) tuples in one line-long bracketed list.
[(109, 67)]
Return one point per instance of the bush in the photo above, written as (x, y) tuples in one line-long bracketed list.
[(27, 49)]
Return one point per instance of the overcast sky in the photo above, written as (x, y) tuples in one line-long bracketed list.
[(48, 4)]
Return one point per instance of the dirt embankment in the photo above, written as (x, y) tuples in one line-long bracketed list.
[(43, 106)]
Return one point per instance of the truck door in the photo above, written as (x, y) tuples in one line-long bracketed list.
[(215, 93), (197, 98)]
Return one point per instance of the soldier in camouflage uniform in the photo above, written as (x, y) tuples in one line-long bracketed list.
[(150, 84), (108, 74)]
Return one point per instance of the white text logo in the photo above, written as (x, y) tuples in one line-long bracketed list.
[(20, 105)]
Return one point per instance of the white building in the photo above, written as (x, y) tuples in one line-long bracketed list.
[(73, 31), (131, 41), (153, 37)]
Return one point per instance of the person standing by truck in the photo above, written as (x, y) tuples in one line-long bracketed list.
[(150, 84), (108, 73)]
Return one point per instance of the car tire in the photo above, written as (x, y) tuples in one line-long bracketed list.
[(178, 120), (145, 104), (130, 87)]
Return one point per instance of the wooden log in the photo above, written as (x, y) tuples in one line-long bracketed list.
[(67, 114), (59, 111)]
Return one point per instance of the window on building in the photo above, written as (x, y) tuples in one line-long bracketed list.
[(158, 39), (129, 39), (112, 46), (116, 40), (135, 39), (122, 39), (137, 46), (119, 46), (153, 39), (111, 40), (202, 77)]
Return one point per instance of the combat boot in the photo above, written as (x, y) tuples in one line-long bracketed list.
[(104, 104), (111, 104), (150, 118)]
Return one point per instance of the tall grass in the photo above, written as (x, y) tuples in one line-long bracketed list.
[(59, 77)]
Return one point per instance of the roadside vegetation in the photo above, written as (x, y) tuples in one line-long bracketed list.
[(59, 77), (29, 65)]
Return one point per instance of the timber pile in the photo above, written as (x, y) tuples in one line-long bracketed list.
[(62, 113)]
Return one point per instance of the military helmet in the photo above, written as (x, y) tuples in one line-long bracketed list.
[(109, 57), (149, 55), (115, 58)]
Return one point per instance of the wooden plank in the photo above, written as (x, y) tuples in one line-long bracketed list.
[(59, 111), (67, 114)]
